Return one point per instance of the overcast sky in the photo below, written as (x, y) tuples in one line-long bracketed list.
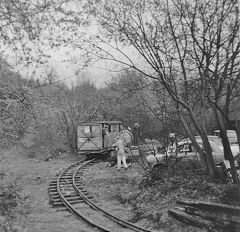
[(95, 73), (61, 62)]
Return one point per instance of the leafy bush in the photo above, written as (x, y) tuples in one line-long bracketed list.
[(8, 202)]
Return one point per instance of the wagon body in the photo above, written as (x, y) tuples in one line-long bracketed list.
[(97, 137)]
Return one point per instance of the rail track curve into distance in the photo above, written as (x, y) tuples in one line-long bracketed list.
[(67, 190)]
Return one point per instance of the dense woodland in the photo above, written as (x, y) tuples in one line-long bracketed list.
[(46, 114)]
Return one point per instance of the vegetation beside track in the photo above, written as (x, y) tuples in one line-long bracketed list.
[(147, 201), (151, 199), (9, 199)]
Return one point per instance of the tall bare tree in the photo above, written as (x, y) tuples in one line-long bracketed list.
[(214, 38), (189, 47)]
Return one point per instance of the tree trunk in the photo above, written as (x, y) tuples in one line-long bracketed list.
[(192, 138), (237, 128), (206, 145), (226, 146), (208, 154)]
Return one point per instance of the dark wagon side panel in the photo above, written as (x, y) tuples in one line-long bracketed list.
[(95, 137)]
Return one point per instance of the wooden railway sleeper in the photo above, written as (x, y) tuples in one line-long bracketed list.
[(64, 184)]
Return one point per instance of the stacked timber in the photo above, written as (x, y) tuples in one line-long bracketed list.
[(208, 215)]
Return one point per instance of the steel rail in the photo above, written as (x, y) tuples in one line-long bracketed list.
[(69, 206), (110, 216), (90, 203)]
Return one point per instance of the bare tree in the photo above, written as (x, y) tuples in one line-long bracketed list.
[(149, 28), (190, 48), (15, 106), (79, 104), (146, 102), (26, 34), (214, 34), (27, 29)]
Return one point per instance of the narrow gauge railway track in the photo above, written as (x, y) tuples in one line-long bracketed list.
[(67, 190)]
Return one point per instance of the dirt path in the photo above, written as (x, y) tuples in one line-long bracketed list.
[(109, 186), (29, 178)]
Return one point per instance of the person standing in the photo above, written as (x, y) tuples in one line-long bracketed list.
[(172, 146), (121, 156)]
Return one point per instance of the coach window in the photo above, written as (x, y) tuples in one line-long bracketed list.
[(88, 130), (107, 128)]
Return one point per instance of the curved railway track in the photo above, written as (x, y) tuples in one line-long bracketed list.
[(67, 190)]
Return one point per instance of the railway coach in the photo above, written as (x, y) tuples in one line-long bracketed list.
[(97, 137)]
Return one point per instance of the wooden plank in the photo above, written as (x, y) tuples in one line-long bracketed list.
[(189, 219), (200, 222), (57, 204), (210, 206), (70, 200), (220, 218)]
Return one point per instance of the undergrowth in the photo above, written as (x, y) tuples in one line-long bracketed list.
[(8, 202), (152, 197)]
